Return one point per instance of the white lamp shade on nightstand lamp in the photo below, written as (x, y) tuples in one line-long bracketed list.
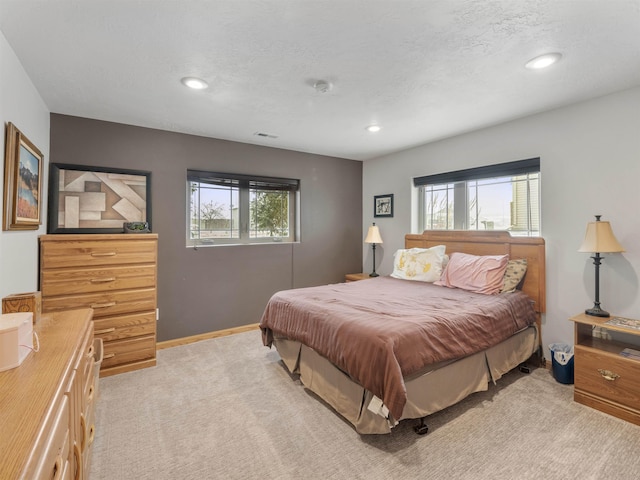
[(599, 238), (373, 235)]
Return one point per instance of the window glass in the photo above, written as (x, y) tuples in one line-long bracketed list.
[(438, 206), (214, 211), (269, 213)]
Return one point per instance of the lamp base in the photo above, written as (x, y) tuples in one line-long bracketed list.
[(596, 311), (374, 274)]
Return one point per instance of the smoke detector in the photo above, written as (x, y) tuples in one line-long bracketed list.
[(322, 86)]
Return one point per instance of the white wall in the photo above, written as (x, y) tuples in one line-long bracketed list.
[(590, 164), (21, 105)]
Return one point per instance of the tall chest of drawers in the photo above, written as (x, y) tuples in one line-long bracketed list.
[(116, 276)]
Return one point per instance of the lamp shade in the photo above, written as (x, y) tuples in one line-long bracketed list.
[(373, 235), (600, 238)]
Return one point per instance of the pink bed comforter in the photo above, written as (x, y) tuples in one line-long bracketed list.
[(383, 329)]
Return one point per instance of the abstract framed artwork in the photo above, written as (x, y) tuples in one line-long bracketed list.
[(85, 199), (23, 163), (383, 205)]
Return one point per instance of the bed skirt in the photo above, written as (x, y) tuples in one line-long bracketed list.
[(429, 391)]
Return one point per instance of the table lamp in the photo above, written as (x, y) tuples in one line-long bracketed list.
[(599, 239), (373, 237)]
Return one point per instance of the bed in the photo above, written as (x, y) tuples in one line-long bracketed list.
[(386, 349)]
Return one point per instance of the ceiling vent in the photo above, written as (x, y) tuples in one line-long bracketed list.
[(265, 135)]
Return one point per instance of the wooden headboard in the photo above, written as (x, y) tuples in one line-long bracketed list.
[(493, 242)]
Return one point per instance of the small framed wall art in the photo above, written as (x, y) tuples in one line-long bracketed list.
[(84, 199), (383, 205), (22, 182)]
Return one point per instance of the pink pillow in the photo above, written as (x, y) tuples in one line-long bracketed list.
[(479, 274)]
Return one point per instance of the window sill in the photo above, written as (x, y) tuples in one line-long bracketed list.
[(207, 245)]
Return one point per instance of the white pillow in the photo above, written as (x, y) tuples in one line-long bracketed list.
[(419, 264)]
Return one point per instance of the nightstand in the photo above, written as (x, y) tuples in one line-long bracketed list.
[(605, 379), (354, 277)]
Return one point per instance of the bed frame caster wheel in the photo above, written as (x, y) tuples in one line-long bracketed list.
[(422, 428)]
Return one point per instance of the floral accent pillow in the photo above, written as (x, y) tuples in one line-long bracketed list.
[(514, 274), (419, 264)]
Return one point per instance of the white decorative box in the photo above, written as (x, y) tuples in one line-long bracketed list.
[(16, 338)]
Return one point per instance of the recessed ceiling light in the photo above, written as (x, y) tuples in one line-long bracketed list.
[(543, 61), (195, 83), (373, 128)]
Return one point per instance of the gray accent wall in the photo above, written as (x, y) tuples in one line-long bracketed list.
[(215, 288)]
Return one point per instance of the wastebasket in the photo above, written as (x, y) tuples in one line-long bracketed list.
[(562, 362)]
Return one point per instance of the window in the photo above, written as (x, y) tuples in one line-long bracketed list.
[(496, 197), (231, 209)]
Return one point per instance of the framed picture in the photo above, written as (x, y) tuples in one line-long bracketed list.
[(383, 205), (22, 182), (86, 199)]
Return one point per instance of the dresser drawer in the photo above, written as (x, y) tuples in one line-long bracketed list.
[(88, 428), (83, 253), (129, 350), (125, 326), (607, 375), (105, 304), (89, 280), (90, 434), (86, 363), (56, 451)]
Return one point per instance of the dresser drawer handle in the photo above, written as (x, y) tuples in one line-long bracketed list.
[(103, 305), (83, 431), (106, 330), (57, 468), (608, 375), (77, 457), (103, 254), (108, 355), (103, 280), (92, 434)]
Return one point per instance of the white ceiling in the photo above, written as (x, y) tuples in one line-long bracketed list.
[(423, 69)]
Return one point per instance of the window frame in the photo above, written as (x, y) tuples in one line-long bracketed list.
[(245, 185), (460, 180)]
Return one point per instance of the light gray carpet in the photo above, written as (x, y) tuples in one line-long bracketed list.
[(227, 409)]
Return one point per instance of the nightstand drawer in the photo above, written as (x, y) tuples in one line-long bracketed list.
[(607, 375)]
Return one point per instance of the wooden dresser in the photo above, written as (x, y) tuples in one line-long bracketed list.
[(116, 276), (47, 403)]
